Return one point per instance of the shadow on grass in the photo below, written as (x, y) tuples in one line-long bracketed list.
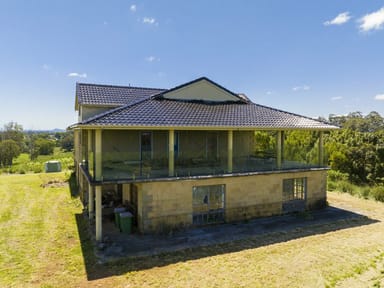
[(93, 269), (73, 185), (285, 228)]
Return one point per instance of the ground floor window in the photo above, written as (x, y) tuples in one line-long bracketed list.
[(208, 204), (294, 189), (294, 194)]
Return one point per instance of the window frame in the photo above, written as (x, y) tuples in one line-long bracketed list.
[(294, 189), (206, 211)]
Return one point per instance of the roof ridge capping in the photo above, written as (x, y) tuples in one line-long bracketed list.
[(118, 86)]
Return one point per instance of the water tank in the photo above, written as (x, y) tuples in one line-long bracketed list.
[(52, 166)]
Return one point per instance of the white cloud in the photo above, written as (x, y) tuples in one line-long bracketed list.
[(149, 20), (336, 98), (373, 21), (301, 88), (151, 59), (75, 74), (339, 19), (46, 67), (379, 97), (133, 8)]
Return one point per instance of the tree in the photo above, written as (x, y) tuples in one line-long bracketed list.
[(265, 144), (375, 121), (359, 154), (67, 142), (298, 146), (13, 131), (356, 121), (9, 149), (41, 146)]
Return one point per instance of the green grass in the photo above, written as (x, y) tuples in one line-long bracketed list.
[(39, 237), (40, 247)]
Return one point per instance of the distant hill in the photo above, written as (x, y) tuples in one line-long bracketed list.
[(45, 131)]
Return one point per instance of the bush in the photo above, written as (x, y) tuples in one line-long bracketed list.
[(365, 192), (66, 163), (335, 176), (331, 186), (378, 193), (346, 187)]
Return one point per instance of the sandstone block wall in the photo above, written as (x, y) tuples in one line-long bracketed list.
[(167, 205)]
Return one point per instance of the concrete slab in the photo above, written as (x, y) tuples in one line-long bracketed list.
[(119, 245)]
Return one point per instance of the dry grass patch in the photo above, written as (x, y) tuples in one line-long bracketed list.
[(322, 259)]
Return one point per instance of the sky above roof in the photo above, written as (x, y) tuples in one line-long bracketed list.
[(313, 58)]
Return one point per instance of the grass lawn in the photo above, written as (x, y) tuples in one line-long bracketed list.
[(39, 242), (40, 247)]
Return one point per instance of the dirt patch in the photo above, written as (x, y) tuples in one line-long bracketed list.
[(55, 183)]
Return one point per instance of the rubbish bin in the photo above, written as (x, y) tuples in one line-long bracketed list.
[(117, 212), (126, 222)]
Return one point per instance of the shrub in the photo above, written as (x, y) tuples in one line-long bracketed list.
[(378, 193), (346, 187), (37, 169), (66, 163), (12, 170), (365, 192), (331, 186), (335, 176)]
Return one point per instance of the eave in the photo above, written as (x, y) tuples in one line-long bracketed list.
[(198, 128)]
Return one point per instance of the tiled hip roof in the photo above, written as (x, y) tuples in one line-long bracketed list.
[(168, 113)]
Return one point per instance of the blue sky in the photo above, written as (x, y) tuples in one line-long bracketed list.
[(314, 58)]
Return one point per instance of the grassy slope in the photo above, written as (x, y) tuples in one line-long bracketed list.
[(40, 246), (38, 241)]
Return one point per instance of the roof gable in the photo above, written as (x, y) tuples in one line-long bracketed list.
[(202, 89)]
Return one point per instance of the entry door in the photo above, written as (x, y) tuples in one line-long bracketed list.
[(208, 204)]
